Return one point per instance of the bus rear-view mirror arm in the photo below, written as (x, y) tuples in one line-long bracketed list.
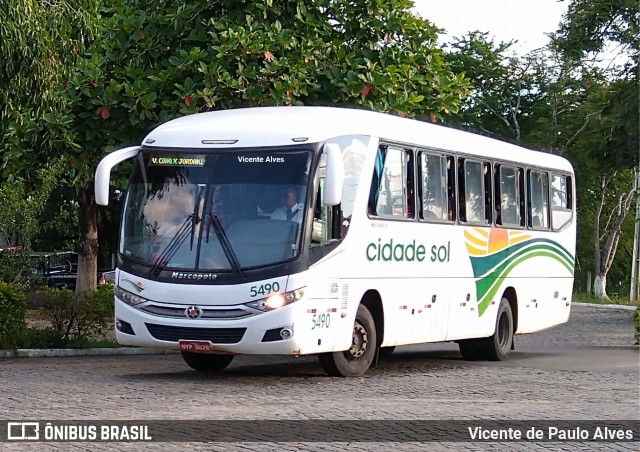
[(103, 172), (334, 175)]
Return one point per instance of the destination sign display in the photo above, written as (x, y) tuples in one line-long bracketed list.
[(177, 160)]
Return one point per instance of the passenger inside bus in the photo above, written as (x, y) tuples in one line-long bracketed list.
[(462, 209)]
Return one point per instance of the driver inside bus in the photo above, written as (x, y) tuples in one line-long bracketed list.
[(291, 209)]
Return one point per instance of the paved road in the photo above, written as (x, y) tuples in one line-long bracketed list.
[(586, 369)]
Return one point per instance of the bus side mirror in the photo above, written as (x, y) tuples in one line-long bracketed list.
[(334, 175), (103, 172)]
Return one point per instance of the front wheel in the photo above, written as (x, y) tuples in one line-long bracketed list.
[(497, 347), (355, 361), (203, 362)]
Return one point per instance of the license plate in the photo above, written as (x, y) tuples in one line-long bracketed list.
[(195, 346)]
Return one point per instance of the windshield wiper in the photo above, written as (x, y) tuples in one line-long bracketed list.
[(226, 245), (186, 229), (196, 215)]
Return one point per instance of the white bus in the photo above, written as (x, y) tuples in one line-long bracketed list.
[(337, 232)]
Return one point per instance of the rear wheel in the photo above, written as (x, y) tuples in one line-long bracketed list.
[(204, 362), (355, 361), (498, 346)]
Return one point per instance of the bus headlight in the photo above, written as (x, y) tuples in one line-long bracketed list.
[(276, 300), (128, 297)]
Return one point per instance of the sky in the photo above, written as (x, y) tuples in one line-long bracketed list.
[(524, 20)]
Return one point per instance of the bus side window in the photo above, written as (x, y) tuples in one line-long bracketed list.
[(474, 192), (326, 232), (319, 231), (521, 199), (488, 196), (436, 187), (326, 220), (561, 201), (538, 199), (391, 193), (471, 191), (508, 193), (462, 215)]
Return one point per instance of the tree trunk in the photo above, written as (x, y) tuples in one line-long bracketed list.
[(604, 254), (88, 240), (600, 286)]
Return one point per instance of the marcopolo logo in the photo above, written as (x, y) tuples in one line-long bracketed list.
[(398, 252), (194, 276)]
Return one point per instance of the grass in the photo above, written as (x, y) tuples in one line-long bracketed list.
[(582, 297), (40, 338)]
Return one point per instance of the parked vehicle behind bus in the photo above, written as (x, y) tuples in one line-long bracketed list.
[(405, 232)]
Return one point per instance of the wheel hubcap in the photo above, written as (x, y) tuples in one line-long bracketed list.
[(359, 342)]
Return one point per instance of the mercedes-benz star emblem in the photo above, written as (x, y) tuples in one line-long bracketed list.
[(193, 312)]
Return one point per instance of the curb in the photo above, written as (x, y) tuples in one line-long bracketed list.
[(619, 307), (67, 352)]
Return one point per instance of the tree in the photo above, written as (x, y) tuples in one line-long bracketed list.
[(153, 61), (531, 99), (39, 45), (591, 26), (587, 29), (502, 92), (563, 100), (604, 157), (39, 42), (22, 207), (20, 216)]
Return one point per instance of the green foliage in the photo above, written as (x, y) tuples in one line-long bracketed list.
[(39, 41), (558, 101), (591, 24), (59, 225), (12, 315), (611, 139), (76, 317), (16, 269), (157, 60), (501, 88), (22, 205), (36, 338), (152, 61), (532, 99), (583, 297)]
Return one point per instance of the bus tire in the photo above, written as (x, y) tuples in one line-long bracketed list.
[(204, 362), (355, 361), (498, 346), (472, 349)]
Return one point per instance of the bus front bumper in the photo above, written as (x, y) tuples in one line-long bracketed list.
[(271, 332)]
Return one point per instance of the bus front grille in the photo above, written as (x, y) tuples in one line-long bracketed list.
[(215, 335), (178, 312)]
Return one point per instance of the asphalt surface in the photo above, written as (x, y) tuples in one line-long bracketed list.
[(587, 369)]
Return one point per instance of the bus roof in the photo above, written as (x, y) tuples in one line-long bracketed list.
[(278, 126)]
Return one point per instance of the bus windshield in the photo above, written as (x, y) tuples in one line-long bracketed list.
[(224, 211)]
